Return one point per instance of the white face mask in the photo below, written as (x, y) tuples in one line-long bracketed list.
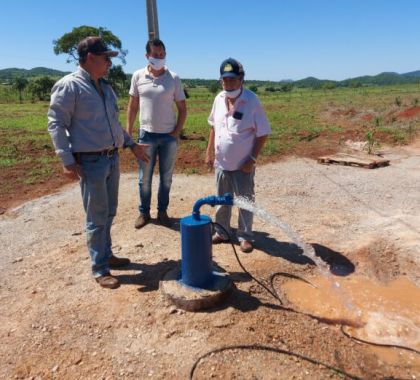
[(157, 63), (233, 93)]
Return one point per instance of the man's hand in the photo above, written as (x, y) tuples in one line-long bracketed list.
[(248, 166), (209, 162), (72, 171), (139, 150), (175, 134)]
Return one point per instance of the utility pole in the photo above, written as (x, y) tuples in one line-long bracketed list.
[(152, 19)]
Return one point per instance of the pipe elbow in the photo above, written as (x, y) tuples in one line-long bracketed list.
[(226, 199)]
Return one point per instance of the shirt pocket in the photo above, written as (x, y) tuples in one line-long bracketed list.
[(235, 126)]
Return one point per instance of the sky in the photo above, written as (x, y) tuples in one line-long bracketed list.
[(273, 39)]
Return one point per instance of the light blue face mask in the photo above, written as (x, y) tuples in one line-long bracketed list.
[(157, 63)]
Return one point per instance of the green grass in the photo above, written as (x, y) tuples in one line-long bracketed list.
[(6, 162), (37, 174), (295, 118)]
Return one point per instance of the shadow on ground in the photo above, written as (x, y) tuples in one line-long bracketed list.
[(149, 276), (338, 263)]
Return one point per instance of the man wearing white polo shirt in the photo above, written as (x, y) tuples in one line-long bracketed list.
[(239, 131), (154, 91)]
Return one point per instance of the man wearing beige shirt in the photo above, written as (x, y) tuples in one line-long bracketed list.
[(154, 91)]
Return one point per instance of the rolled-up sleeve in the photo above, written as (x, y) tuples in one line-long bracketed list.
[(179, 91), (133, 87), (261, 122), (60, 113)]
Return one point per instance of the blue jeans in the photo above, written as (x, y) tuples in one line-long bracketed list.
[(240, 184), (99, 186), (164, 146)]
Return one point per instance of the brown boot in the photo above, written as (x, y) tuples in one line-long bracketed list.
[(217, 239), (108, 281), (246, 246), (141, 221)]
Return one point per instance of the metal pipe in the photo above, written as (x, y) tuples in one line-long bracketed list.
[(213, 200), (152, 19)]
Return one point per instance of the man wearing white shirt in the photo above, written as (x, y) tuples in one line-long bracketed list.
[(239, 131)]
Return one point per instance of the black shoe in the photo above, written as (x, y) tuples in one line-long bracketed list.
[(163, 219), (118, 262), (141, 221)]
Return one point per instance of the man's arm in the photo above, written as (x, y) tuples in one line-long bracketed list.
[(210, 150), (182, 116), (139, 150), (60, 115), (132, 110), (252, 160)]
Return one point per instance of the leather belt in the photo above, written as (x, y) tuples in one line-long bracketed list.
[(106, 152)]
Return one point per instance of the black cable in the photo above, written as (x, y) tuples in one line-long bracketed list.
[(274, 293), (348, 335), (272, 349)]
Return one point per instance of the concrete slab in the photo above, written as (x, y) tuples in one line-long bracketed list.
[(193, 299)]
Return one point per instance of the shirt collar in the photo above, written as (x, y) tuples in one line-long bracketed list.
[(84, 74), (151, 75)]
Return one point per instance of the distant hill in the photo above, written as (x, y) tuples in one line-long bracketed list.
[(6, 75), (412, 74), (310, 82), (382, 79)]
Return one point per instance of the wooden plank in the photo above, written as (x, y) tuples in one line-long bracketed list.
[(361, 160)]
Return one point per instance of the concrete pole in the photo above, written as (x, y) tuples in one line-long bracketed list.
[(152, 19)]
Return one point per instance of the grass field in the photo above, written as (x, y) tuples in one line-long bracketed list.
[(304, 122)]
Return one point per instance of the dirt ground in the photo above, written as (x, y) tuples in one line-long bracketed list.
[(57, 323)]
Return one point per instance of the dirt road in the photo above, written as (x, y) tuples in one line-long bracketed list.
[(57, 323)]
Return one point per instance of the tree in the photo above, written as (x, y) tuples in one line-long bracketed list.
[(355, 84), (270, 89), (287, 87), (41, 87), (67, 43), (329, 85), (214, 86), (117, 79), (253, 88), (20, 83)]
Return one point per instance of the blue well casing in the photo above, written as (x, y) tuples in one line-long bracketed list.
[(196, 230), (196, 251)]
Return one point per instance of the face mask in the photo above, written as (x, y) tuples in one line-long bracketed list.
[(157, 63), (233, 93)]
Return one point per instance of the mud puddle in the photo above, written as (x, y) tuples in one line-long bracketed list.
[(382, 314)]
